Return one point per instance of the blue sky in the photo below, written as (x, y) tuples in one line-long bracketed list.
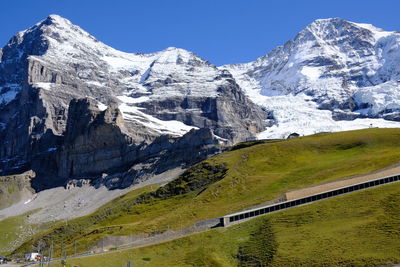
[(224, 31)]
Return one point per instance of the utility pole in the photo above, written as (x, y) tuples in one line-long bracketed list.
[(40, 254), (50, 254), (74, 247), (129, 264), (61, 249), (41, 259)]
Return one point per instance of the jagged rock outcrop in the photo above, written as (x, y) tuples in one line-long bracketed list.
[(219, 113), (165, 154), (98, 146), (94, 140)]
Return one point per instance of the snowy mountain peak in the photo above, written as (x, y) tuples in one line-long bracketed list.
[(321, 24), (333, 28), (336, 27), (55, 26), (56, 19), (340, 69), (161, 92), (173, 55)]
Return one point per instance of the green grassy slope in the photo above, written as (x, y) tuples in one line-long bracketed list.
[(358, 229), (16, 230), (251, 175), (12, 188), (10, 229)]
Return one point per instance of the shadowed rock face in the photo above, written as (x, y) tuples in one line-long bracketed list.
[(72, 107), (97, 145), (230, 115)]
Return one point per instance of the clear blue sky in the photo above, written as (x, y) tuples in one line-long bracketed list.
[(221, 31)]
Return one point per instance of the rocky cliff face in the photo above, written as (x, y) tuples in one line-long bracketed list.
[(70, 106)]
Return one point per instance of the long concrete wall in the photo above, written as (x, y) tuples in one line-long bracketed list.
[(245, 215), (312, 190)]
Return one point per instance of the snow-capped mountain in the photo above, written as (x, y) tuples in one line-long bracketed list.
[(71, 106), (73, 62), (132, 100), (332, 74)]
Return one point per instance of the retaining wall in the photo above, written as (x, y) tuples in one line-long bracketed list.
[(245, 215)]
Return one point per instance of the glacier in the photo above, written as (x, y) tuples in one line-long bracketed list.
[(335, 75)]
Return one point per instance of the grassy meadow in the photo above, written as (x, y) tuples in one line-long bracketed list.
[(232, 181), (358, 229)]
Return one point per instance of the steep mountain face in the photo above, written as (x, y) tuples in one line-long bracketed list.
[(333, 70), (130, 102), (72, 107)]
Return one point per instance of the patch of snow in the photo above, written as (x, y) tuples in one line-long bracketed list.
[(118, 63), (331, 64), (45, 86), (132, 113), (312, 73), (298, 114), (378, 32), (132, 100), (95, 83), (101, 106), (379, 98)]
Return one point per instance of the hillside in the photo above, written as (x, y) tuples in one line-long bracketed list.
[(247, 175), (100, 147), (359, 229), (13, 188)]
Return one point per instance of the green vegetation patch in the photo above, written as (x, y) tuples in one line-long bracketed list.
[(12, 188), (16, 230), (194, 179), (357, 229), (233, 181)]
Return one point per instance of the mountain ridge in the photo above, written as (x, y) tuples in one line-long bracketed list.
[(334, 75), (171, 93), (334, 71)]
